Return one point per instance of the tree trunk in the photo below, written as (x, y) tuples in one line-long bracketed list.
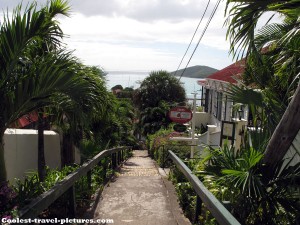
[(285, 132), (41, 147), (68, 155), (3, 175)]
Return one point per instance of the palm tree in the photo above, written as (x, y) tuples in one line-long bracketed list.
[(154, 118), (273, 64), (259, 181), (157, 93), (244, 16), (27, 84), (75, 112)]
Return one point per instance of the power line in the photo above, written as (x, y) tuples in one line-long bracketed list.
[(208, 22), (192, 37)]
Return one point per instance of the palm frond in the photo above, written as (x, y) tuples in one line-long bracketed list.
[(245, 95)]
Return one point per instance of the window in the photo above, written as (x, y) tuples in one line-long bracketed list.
[(206, 101), (218, 105)]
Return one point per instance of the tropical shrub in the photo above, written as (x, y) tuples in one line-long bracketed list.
[(116, 126), (14, 197), (156, 95), (257, 195), (159, 144), (88, 149), (187, 196), (8, 201), (27, 189)]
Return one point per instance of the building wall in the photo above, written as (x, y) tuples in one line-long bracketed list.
[(20, 151), (293, 154), (201, 118), (211, 137)]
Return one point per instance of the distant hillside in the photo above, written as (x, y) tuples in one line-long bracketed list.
[(196, 72)]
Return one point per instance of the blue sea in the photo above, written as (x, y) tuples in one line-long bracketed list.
[(133, 79)]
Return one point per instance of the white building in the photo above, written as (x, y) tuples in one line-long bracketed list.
[(218, 109)]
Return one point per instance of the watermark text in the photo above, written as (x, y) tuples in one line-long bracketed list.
[(56, 220)]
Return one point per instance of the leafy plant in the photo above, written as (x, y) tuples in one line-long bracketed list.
[(53, 176), (8, 201), (186, 194), (257, 195), (157, 93), (159, 143), (28, 189)]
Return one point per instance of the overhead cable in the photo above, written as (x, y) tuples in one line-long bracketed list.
[(208, 22), (192, 37)]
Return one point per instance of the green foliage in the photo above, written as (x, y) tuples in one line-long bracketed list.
[(272, 56), (116, 126), (53, 176), (244, 15), (88, 149), (200, 130), (126, 93), (8, 201), (257, 196), (118, 86), (28, 189), (159, 144), (37, 72), (200, 108), (156, 95), (159, 86), (187, 196), (31, 187), (20, 194)]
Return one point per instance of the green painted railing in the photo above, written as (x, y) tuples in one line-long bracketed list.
[(67, 185), (217, 209)]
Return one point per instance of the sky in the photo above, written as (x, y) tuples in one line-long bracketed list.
[(142, 35)]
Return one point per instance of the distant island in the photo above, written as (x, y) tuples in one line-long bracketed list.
[(196, 72)]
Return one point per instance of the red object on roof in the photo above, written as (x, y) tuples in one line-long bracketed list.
[(230, 73), (28, 119)]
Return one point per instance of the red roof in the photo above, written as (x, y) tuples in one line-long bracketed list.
[(230, 73)]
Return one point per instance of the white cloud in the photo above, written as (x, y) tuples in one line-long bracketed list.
[(150, 10), (142, 34), (122, 57), (124, 29)]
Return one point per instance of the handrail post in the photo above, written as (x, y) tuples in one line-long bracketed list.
[(104, 168), (227, 205), (119, 157), (72, 202), (125, 152), (89, 179), (122, 158), (113, 160), (198, 209), (163, 157)]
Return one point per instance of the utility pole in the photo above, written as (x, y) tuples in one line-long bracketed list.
[(193, 126)]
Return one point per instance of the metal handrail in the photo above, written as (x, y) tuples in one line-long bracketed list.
[(165, 157), (217, 209), (42, 202)]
